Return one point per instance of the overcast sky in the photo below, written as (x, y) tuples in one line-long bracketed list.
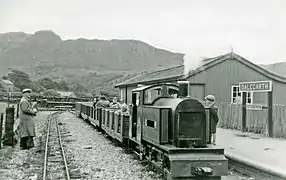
[(256, 29)]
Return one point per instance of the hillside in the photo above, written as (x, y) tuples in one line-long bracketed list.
[(45, 54), (277, 68)]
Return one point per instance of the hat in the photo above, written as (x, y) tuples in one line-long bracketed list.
[(27, 90), (124, 107), (210, 98)]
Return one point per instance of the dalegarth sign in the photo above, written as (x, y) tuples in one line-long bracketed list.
[(257, 86)]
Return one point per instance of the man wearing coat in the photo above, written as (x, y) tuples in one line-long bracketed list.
[(26, 115), (210, 100)]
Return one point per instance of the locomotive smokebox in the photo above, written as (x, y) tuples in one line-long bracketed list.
[(183, 88)]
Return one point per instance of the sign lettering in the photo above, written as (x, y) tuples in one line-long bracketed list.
[(258, 86), (254, 106)]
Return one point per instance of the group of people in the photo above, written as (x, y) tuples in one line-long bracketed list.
[(210, 103), (28, 112), (103, 102)]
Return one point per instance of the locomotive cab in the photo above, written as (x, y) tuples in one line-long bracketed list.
[(143, 97), (163, 114)]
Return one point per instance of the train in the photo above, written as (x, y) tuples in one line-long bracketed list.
[(167, 128)]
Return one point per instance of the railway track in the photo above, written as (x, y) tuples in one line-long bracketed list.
[(55, 163), (247, 170)]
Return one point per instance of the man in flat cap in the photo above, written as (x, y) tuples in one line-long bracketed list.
[(210, 102), (27, 125)]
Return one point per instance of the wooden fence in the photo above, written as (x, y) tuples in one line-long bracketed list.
[(256, 120)]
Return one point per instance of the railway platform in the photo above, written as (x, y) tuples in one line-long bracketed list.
[(261, 153)]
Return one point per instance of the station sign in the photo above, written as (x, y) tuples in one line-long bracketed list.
[(257, 86), (254, 106)]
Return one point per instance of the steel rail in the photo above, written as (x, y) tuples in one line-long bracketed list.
[(61, 146), (63, 152), (46, 149)]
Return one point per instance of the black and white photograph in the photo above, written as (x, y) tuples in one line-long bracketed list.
[(142, 90)]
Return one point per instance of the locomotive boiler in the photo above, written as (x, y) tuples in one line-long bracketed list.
[(168, 128)]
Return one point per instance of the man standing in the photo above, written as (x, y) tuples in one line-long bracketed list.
[(210, 100), (27, 125)]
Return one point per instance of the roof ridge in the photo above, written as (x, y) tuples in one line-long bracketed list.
[(132, 77), (208, 64), (150, 72), (262, 68)]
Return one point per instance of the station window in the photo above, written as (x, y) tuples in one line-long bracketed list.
[(236, 96)]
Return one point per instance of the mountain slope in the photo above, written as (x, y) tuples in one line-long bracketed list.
[(277, 68), (45, 54)]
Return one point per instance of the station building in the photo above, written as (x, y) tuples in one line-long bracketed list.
[(219, 76), (7, 84)]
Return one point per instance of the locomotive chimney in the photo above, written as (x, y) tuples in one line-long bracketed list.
[(183, 88)]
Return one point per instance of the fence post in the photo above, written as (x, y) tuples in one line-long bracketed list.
[(1, 126), (9, 127), (243, 126), (270, 114)]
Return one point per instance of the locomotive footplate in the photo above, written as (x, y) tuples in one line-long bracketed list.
[(202, 162)]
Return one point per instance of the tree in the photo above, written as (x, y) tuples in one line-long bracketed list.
[(77, 88), (62, 85), (37, 87), (5, 77), (2, 89), (50, 92), (20, 79), (47, 83)]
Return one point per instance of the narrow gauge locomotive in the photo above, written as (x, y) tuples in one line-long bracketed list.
[(170, 132)]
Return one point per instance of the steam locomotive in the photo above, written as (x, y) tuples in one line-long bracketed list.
[(165, 127)]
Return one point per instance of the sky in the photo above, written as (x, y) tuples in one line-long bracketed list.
[(255, 29)]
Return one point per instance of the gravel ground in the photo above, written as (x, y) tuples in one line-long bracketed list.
[(98, 158), (23, 164), (89, 154)]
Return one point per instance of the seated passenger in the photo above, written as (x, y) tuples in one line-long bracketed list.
[(102, 102), (124, 109), (115, 103), (95, 100)]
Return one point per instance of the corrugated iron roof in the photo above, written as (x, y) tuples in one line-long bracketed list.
[(177, 72), (169, 73)]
